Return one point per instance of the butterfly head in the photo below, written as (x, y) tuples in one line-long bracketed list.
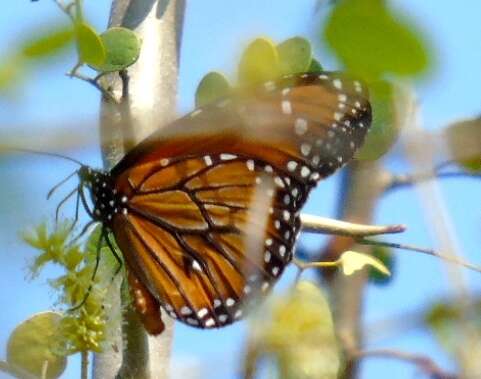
[(105, 199)]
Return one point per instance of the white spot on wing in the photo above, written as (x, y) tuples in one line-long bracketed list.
[(291, 165), (208, 160), (305, 149), (227, 157), (305, 171), (337, 83), (300, 126), (196, 266), (203, 312), (286, 107), (270, 86)]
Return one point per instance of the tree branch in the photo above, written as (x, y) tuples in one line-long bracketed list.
[(317, 224), (150, 102), (408, 180), (424, 363)]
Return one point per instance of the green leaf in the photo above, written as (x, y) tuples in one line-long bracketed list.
[(464, 141), (315, 66), (259, 63), (11, 73), (295, 55), (371, 41), (387, 111), (122, 47), (32, 343), (299, 334), (212, 87), (450, 322), (352, 262), (386, 257), (48, 43), (90, 47)]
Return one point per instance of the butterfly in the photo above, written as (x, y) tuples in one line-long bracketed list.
[(206, 210)]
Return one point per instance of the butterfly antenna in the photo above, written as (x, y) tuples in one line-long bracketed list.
[(29, 151)]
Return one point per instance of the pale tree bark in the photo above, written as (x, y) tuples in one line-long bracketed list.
[(148, 102), (363, 184)]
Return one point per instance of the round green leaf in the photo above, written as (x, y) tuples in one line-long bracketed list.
[(315, 66), (48, 43), (295, 55), (259, 63), (385, 123), (90, 47), (386, 257), (122, 47), (31, 344), (464, 141), (213, 86), (372, 41), (299, 333)]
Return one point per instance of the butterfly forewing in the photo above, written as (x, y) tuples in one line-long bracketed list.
[(212, 201)]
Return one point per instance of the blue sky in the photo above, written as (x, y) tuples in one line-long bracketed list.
[(215, 33)]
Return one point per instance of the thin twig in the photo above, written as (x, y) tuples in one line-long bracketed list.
[(405, 180), (426, 364), (94, 82), (316, 224), (422, 250), (65, 8)]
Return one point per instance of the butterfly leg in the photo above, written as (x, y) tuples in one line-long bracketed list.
[(60, 205), (82, 233), (114, 253), (77, 207), (85, 204), (58, 185), (94, 273)]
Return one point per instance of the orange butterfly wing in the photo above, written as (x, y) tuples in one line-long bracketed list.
[(212, 202)]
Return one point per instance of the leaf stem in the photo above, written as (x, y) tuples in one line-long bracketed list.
[(303, 265), (422, 250), (94, 82)]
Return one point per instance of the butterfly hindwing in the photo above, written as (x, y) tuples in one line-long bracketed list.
[(207, 245)]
